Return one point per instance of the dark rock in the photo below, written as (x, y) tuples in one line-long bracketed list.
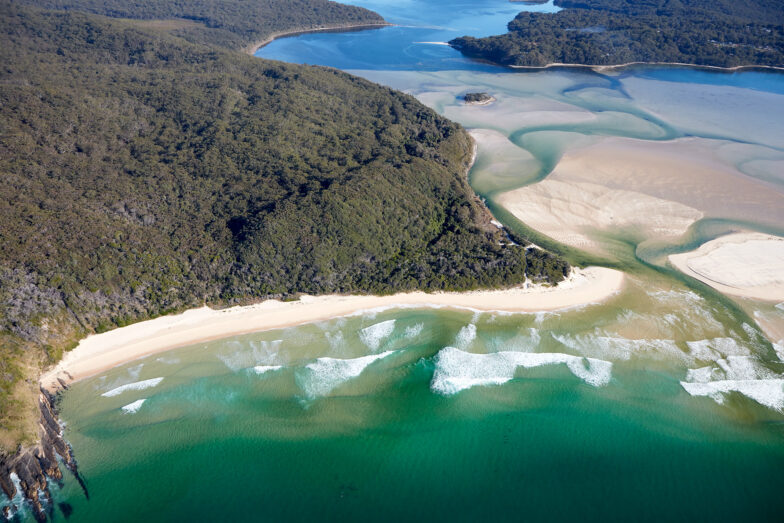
[(34, 466), (66, 509)]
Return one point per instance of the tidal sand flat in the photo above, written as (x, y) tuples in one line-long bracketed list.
[(648, 189), (102, 351), (750, 265)]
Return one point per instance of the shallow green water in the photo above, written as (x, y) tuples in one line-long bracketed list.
[(580, 414), (216, 440)]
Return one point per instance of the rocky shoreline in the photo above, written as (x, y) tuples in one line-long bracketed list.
[(29, 471)]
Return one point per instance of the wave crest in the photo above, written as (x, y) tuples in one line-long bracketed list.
[(457, 370)]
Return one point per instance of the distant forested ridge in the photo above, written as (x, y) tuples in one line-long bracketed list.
[(230, 23), (143, 174), (721, 33)]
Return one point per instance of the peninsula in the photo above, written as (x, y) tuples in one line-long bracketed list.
[(716, 33)]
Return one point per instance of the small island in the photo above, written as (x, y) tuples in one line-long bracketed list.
[(478, 99)]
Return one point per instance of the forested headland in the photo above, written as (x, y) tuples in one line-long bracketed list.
[(228, 23), (719, 33), (145, 171)]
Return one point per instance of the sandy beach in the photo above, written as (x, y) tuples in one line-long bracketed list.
[(253, 48), (100, 352), (750, 265)]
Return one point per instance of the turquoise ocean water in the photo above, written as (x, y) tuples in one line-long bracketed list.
[(445, 415)]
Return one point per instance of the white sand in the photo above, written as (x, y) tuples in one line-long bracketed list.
[(100, 352), (750, 265), (657, 189)]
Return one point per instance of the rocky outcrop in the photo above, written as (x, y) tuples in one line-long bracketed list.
[(33, 467)]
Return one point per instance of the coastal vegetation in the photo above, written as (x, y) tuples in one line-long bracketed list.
[(722, 33), (229, 23), (477, 98), (147, 169)]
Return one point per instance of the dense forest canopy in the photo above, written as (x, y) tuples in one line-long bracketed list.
[(143, 174), (723, 33), (231, 23)]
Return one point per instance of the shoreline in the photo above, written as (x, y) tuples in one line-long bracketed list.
[(606, 68), (252, 49), (100, 352), (603, 68)]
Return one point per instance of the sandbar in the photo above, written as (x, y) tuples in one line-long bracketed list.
[(750, 265)]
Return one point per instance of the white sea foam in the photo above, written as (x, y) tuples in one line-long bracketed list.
[(323, 375), (779, 348), (601, 345), (750, 331), (248, 354), (137, 385), (743, 374), (702, 375), (744, 368), (519, 343), (780, 306), (414, 330), (134, 407), (457, 370), (715, 348), (17, 503), (168, 361), (693, 312), (466, 335), (335, 339), (261, 369), (769, 393), (135, 371), (375, 334)]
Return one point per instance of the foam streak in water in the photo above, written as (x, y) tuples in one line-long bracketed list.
[(743, 374), (134, 407), (373, 336), (137, 385), (322, 376), (457, 370), (769, 393), (262, 369)]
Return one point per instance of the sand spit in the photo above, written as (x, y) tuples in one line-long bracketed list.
[(749, 265), (253, 48)]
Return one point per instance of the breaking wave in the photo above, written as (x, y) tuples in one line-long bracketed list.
[(261, 369), (134, 407), (373, 336), (742, 374), (138, 385), (458, 370), (323, 375)]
